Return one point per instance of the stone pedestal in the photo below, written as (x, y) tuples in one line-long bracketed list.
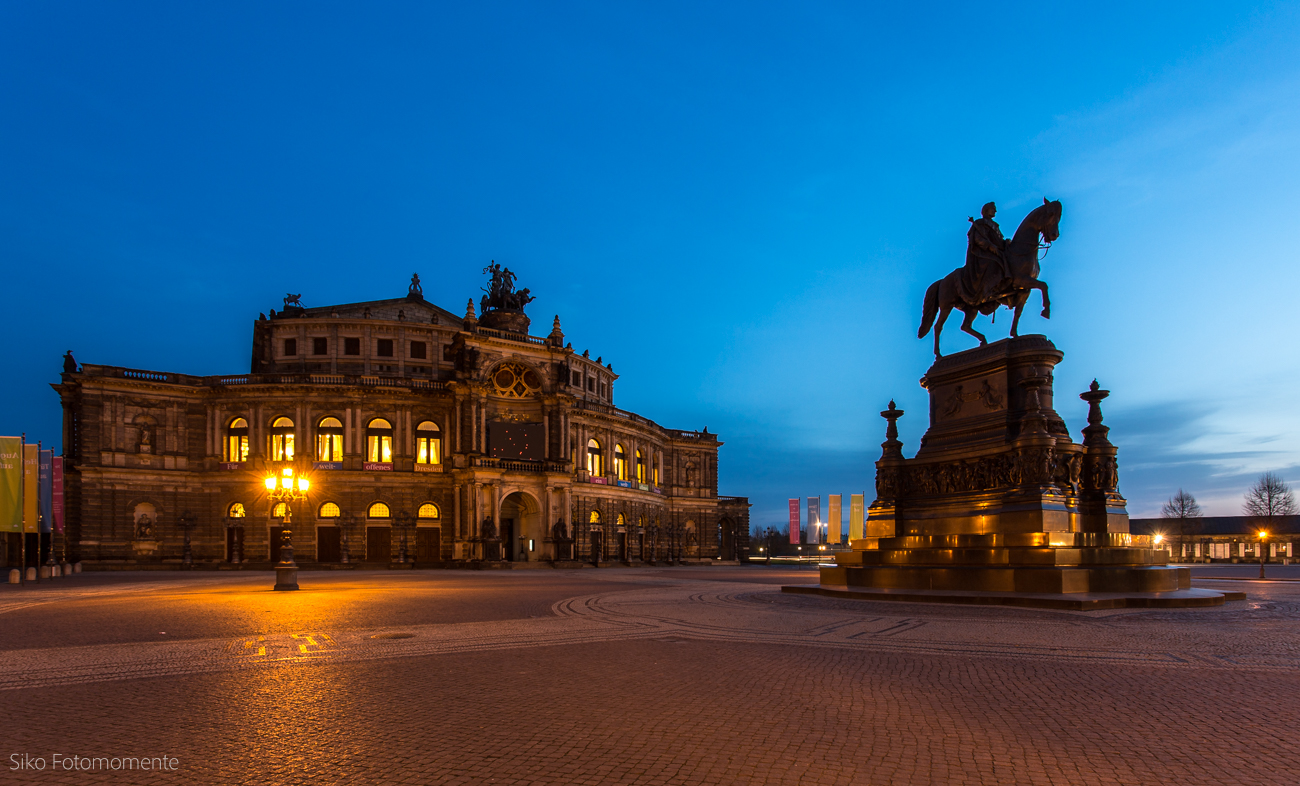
[(505, 319), (999, 499), (286, 577)]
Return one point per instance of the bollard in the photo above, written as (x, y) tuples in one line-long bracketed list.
[(76, 568), (45, 571), (15, 577), (31, 574), (55, 572)]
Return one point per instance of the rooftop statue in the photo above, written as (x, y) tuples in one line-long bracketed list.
[(997, 272), (501, 294)]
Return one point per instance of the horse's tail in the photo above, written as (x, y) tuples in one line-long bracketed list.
[(931, 309)]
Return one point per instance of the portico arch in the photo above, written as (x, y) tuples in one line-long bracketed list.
[(522, 527)]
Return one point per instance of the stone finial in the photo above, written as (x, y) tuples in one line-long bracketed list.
[(471, 319), (1034, 422), (557, 336), (892, 446), (1094, 434)]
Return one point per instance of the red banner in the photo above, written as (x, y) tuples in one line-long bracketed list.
[(58, 494), (794, 521)]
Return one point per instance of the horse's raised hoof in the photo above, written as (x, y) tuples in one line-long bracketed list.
[(1047, 313), (984, 342)]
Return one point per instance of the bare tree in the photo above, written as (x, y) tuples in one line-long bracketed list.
[(1185, 516), (1269, 499)]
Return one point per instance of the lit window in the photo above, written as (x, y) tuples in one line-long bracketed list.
[(655, 470), (620, 522), (595, 517), (329, 511), (379, 441), (236, 510), (279, 510), (593, 457), (329, 440), (620, 463), (282, 440), (428, 443), (237, 440), (378, 511), (640, 466), (428, 511)]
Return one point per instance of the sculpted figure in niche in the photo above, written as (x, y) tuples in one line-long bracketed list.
[(146, 438), (144, 527)]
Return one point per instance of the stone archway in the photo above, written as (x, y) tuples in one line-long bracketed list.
[(522, 527)]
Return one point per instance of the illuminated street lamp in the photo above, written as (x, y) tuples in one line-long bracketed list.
[(1263, 538), (287, 489)]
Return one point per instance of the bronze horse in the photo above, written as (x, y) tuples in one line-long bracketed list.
[(1013, 292)]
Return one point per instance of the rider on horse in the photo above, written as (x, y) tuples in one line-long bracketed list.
[(986, 264)]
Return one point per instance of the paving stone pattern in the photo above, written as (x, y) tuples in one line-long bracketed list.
[(654, 676)]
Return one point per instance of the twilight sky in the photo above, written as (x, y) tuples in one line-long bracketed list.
[(739, 205)]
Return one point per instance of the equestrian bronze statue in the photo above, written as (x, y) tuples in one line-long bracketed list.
[(997, 272)]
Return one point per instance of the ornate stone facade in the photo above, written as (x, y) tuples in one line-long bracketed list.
[(463, 442)]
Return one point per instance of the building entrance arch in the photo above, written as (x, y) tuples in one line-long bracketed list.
[(522, 528)]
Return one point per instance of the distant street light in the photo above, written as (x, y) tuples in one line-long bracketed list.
[(1263, 538)]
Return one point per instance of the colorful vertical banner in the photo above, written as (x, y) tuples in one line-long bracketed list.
[(31, 487), (855, 517), (794, 522), (814, 520), (11, 484), (834, 520), (57, 502), (45, 489)]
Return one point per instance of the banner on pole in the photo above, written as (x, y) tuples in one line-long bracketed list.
[(45, 490), (794, 522), (57, 477), (834, 520), (855, 517), (11, 484), (31, 487), (814, 520)]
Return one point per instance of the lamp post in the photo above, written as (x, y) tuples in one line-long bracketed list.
[(287, 489), (403, 521), (1263, 538), (345, 523), (188, 522)]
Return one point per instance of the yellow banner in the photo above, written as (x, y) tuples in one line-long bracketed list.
[(11, 484), (855, 517), (31, 486), (835, 520)]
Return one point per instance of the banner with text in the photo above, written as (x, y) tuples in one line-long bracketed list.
[(31, 487), (45, 490), (855, 517), (794, 522), (814, 520), (11, 484), (834, 520), (58, 494)]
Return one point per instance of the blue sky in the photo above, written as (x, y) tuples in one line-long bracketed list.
[(740, 205)]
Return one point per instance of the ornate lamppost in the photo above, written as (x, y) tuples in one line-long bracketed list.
[(287, 489), (345, 523), (188, 521), (403, 521)]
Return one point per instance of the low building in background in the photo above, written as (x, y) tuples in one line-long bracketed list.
[(1223, 538), (462, 438)]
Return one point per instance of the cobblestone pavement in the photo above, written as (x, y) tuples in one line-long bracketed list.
[(678, 675)]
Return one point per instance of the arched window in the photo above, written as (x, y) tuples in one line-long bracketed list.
[(428, 443), (329, 511), (640, 466), (282, 440), (428, 511), (593, 458), (237, 440), (620, 463), (235, 511), (329, 440), (655, 471), (278, 511), (620, 522), (379, 442), (595, 517), (378, 511)]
